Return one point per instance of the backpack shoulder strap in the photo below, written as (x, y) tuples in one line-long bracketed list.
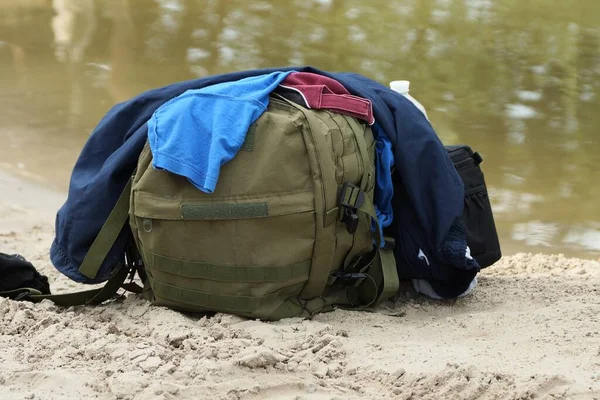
[(91, 263), (107, 235)]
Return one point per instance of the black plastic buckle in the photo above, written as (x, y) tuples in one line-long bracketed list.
[(22, 295), (389, 243), (348, 278), (349, 217), (355, 193)]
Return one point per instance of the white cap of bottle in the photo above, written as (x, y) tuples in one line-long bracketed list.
[(403, 87)]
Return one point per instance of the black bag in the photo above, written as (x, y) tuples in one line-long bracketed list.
[(414, 260), (482, 237), (17, 273)]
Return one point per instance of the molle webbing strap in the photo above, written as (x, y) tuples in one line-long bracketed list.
[(363, 152), (211, 301), (222, 211), (226, 273)]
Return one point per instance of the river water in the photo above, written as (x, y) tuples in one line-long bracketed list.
[(519, 81)]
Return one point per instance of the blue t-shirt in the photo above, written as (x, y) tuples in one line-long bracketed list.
[(194, 134)]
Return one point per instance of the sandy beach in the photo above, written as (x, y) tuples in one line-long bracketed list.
[(516, 81), (530, 330)]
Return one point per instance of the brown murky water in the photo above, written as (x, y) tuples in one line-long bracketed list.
[(517, 80)]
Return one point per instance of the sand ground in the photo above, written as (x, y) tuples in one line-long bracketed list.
[(531, 330)]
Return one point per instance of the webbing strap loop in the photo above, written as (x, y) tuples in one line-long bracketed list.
[(227, 273)]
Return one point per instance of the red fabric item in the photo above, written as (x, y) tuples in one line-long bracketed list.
[(321, 92)]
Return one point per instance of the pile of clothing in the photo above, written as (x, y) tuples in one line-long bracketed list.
[(195, 127)]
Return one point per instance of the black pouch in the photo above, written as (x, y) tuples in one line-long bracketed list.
[(16, 272), (482, 237)]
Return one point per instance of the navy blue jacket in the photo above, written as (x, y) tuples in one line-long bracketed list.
[(428, 199)]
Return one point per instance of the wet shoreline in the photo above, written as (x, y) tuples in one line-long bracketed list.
[(27, 201), (26, 193)]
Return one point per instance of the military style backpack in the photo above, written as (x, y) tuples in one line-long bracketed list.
[(290, 230)]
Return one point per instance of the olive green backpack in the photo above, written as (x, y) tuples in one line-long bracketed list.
[(290, 230)]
